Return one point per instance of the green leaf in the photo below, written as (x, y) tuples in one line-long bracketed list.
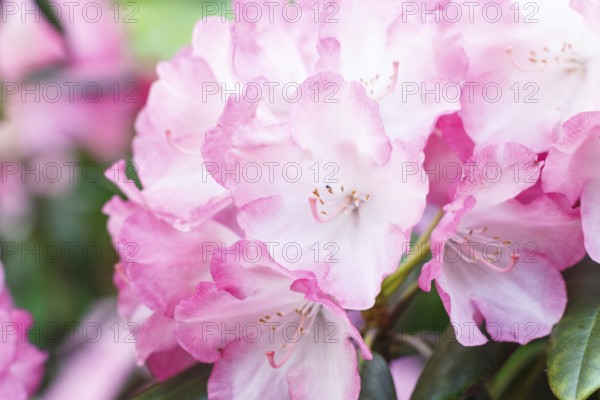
[(574, 351), (188, 385), (376, 380), (454, 371)]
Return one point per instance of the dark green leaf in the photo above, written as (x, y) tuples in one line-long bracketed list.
[(424, 313), (523, 375), (532, 384), (574, 351), (454, 371), (189, 385), (49, 15), (376, 380)]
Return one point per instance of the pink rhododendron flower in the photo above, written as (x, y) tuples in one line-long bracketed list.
[(354, 194), (165, 167), (443, 168), (21, 364), (171, 128), (446, 151), (280, 45), (382, 58), (271, 327), (155, 344), (490, 262), (572, 168), (320, 186), (190, 94), (153, 276), (537, 64)]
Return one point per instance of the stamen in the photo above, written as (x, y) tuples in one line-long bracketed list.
[(391, 87), (349, 203), (313, 316), (487, 263), (286, 357), (568, 59), (327, 218), (473, 255), (513, 61), (308, 311)]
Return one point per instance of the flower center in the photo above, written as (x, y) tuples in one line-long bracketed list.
[(379, 88), (326, 207), (306, 314), (478, 249), (567, 58)]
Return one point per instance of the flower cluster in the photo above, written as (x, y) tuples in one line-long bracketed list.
[(286, 157)]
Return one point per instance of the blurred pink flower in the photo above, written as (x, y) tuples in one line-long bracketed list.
[(406, 372), (21, 364), (79, 88), (28, 43), (61, 92), (111, 357)]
